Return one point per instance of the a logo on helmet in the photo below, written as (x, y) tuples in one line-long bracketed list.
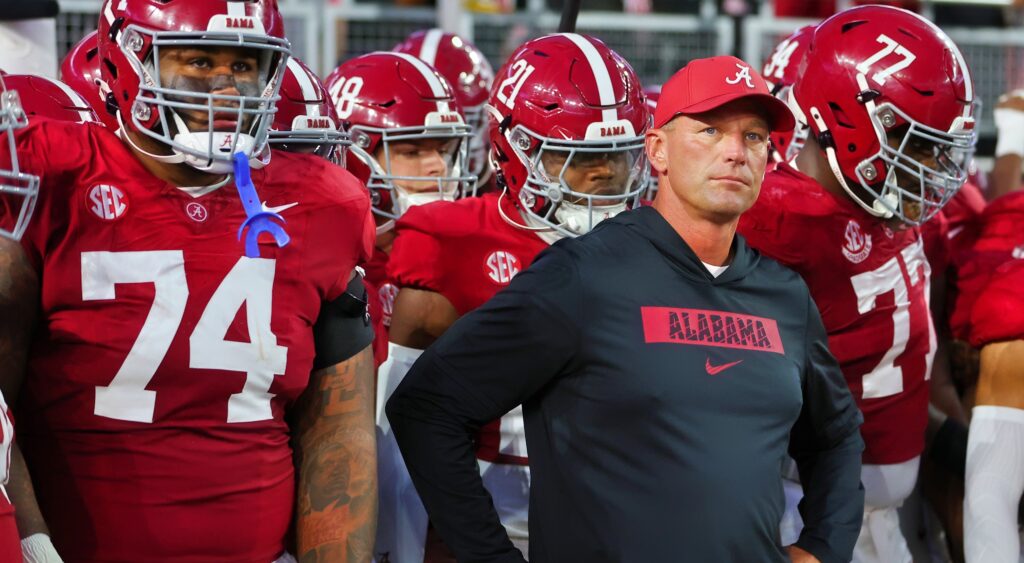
[(614, 131), (742, 74), (107, 202), (502, 266), (858, 245), (302, 122), (1018, 253), (241, 23)]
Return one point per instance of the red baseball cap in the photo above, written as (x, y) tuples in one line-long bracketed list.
[(705, 84)]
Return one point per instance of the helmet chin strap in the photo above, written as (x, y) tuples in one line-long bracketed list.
[(122, 132), (877, 209), (385, 226), (546, 233)]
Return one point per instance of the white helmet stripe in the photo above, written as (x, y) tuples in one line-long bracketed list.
[(108, 11), (236, 9), (309, 91), (84, 115), (436, 88), (428, 50), (605, 92)]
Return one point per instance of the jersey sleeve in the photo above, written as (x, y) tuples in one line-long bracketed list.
[(415, 260), (997, 314), (767, 228), (935, 237), (346, 229), (30, 160), (489, 361)]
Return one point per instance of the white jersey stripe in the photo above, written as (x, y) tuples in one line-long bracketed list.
[(309, 91), (428, 50), (605, 92), (84, 116), (436, 88)]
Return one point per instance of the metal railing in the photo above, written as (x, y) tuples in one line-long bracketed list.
[(656, 45)]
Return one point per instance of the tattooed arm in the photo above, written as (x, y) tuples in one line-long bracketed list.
[(336, 460), (19, 302)]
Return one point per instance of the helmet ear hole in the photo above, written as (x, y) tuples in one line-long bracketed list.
[(851, 147)]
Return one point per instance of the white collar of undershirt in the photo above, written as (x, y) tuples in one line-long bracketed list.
[(200, 191), (715, 270)]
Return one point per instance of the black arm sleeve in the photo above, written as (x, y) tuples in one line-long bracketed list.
[(487, 363), (827, 447), (343, 328)]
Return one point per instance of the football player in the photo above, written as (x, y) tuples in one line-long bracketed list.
[(993, 301), (51, 99), (81, 71), (408, 144), (470, 75), (199, 381), (888, 98), (43, 98), (781, 71), (305, 121), (567, 119), (17, 198)]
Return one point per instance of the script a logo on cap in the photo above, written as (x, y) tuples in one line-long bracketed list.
[(742, 74)]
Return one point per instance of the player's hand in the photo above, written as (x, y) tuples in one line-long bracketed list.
[(797, 555)]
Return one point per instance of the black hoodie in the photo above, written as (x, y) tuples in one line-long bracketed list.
[(659, 404)]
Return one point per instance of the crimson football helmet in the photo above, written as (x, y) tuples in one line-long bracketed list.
[(781, 71), (132, 34), (18, 190), (384, 98), (81, 71), (50, 99), (470, 75), (305, 115), (562, 105), (889, 98)]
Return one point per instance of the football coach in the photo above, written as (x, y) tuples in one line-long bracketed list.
[(665, 371)]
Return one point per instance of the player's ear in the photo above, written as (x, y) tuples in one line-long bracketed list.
[(656, 144)]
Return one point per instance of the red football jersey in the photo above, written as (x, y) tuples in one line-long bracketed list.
[(937, 245), (1000, 240), (10, 542), (998, 312), (381, 294), (465, 251), (871, 285), (152, 415), (963, 213)]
